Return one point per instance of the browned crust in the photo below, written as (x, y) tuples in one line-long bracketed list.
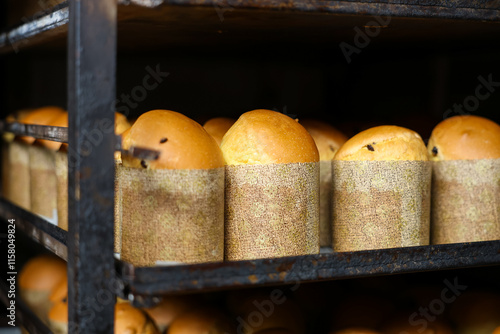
[(464, 138), (42, 273), (267, 137), (386, 142), (217, 127), (40, 116), (182, 143), (327, 138)]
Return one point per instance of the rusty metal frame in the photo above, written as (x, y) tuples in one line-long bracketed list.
[(147, 282), (91, 95), (91, 101)]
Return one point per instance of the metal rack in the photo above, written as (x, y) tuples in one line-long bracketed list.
[(88, 245)]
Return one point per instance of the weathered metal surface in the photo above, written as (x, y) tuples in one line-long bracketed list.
[(60, 134), (91, 101), (458, 9), (146, 282), (24, 315), (53, 23), (54, 133), (36, 29), (138, 152), (48, 235)]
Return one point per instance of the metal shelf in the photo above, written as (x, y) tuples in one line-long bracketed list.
[(48, 235), (54, 133), (39, 29), (147, 282), (60, 134), (183, 19), (88, 36), (24, 315)]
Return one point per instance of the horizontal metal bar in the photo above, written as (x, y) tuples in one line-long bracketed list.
[(48, 235), (54, 22), (141, 153), (25, 33), (23, 314), (153, 281), (60, 134), (457, 9), (54, 133)]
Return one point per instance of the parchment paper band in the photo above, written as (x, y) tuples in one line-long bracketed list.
[(325, 203), (17, 184), (380, 204), (465, 201), (172, 215), (62, 189), (271, 210), (43, 183)]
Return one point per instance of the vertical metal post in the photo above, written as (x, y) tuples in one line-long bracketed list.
[(91, 96), (3, 84)]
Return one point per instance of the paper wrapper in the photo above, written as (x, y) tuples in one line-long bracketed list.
[(380, 204), (272, 210), (43, 183), (38, 302), (62, 189), (16, 173), (465, 201), (172, 215), (325, 203), (118, 209)]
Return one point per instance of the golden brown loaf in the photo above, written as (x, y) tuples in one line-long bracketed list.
[(60, 291), (497, 330), (356, 330), (59, 312), (182, 143), (60, 120), (267, 137), (465, 137), (58, 317), (15, 117), (121, 123), (476, 312), (287, 314), (40, 116), (42, 273), (401, 324), (217, 127), (129, 319), (327, 138), (170, 308), (202, 321), (385, 142), (20, 114)]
